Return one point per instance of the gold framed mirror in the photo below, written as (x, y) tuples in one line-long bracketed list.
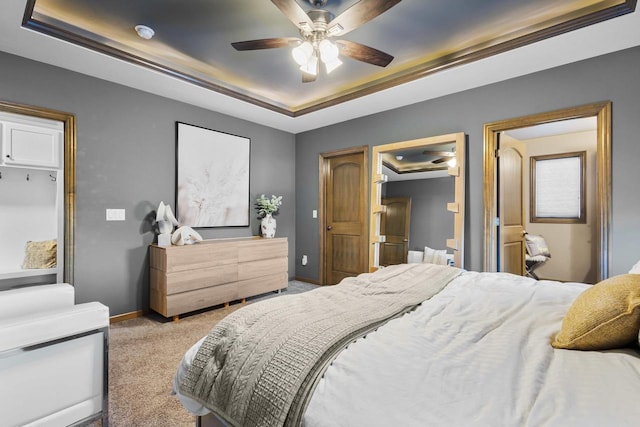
[(423, 158), (69, 158)]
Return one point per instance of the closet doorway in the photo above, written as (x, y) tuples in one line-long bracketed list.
[(501, 248), (15, 160)]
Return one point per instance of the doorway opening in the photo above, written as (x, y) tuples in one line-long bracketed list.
[(505, 246), (66, 221)]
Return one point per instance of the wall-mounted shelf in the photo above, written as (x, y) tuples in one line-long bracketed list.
[(380, 178), (379, 209), (379, 239), (453, 244)]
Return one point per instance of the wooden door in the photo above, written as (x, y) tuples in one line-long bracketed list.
[(345, 240), (394, 225), (511, 249)]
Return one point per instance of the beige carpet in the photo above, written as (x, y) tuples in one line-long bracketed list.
[(143, 356)]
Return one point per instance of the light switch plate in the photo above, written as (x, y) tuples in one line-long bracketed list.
[(115, 214)]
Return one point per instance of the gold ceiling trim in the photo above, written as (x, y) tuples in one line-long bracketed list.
[(579, 19), (33, 24), (476, 53), (401, 168)]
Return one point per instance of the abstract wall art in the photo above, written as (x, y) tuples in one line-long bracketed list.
[(212, 178)]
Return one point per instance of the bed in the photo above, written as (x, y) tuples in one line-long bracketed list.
[(475, 352)]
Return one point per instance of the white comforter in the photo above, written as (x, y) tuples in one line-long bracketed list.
[(476, 354)]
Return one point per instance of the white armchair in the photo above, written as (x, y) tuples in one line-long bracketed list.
[(53, 358)]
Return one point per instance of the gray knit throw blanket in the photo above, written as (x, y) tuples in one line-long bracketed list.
[(259, 365)]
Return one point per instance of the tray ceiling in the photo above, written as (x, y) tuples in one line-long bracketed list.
[(193, 39)]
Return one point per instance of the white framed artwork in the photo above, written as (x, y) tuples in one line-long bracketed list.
[(212, 178)]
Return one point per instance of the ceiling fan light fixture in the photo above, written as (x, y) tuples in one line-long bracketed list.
[(302, 53), (311, 67), (317, 27), (332, 65), (328, 51), (452, 162)]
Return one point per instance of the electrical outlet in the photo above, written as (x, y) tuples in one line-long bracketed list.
[(115, 214)]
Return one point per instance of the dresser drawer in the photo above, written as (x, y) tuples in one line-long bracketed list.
[(262, 285), (262, 249), (201, 298), (189, 280), (265, 267), (189, 257)]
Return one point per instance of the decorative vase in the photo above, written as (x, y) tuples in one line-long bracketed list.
[(268, 226)]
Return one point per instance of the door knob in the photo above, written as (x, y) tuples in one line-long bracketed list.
[(329, 227)]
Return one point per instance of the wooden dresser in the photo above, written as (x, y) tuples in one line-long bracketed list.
[(212, 272)]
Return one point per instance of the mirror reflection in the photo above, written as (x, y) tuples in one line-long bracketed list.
[(417, 199)]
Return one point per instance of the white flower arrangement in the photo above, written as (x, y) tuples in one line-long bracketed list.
[(265, 206)]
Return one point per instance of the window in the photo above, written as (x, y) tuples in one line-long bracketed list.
[(558, 188)]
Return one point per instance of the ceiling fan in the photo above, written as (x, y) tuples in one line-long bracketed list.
[(443, 156), (317, 28)]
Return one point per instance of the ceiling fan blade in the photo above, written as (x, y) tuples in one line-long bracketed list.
[(440, 160), (264, 43), (439, 153), (358, 14), (364, 53), (295, 13)]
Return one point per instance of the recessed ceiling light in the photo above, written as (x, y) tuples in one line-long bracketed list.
[(398, 157), (144, 31)]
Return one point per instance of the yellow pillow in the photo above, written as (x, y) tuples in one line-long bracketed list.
[(605, 316), (41, 254)]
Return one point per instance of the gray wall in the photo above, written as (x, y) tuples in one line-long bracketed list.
[(126, 159), (431, 224), (610, 77)]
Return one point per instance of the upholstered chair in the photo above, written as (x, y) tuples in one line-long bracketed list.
[(53, 357)]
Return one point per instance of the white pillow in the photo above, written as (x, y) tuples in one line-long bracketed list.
[(414, 257), (435, 256), (635, 269)]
